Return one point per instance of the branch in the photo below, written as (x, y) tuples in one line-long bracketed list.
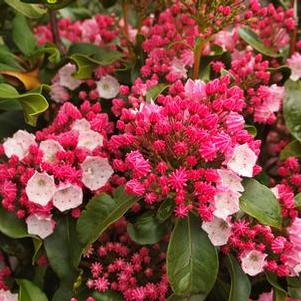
[(55, 31)]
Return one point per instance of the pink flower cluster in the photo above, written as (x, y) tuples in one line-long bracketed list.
[(192, 147), (99, 30), (273, 25), (52, 169), (137, 272)]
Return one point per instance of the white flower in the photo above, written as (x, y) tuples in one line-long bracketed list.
[(41, 225), (81, 125), (7, 296), (58, 93), (66, 79), (229, 179), (50, 148), (253, 262), (40, 188), (226, 203), (19, 144), (96, 172), (218, 231), (295, 64), (67, 196), (178, 68), (243, 160), (89, 139), (108, 87)]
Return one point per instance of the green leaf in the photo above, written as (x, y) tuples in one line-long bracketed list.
[(33, 103), (23, 36), (146, 230), (240, 283), (298, 200), (259, 202), (273, 280), (107, 296), (11, 226), (192, 261), (251, 38), (28, 291), (102, 211), (10, 122), (294, 287), (165, 210), (293, 149), (28, 10), (8, 61), (154, 92), (51, 4), (278, 295), (16, 228), (251, 130), (189, 298), (84, 66), (88, 56), (53, 52), (63, 250), (292, 108)]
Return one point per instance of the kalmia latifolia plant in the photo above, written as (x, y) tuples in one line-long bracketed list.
[(150, 150)]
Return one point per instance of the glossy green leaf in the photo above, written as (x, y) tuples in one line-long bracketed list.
[(278, 295), (10, 122), (107, 296), (33, 103), (11, 226), (294, 287), (28, 10), (293, 149), (84, 66), (8, 61), (165, 210), (146, 230), (192, 261), (16, 228), (101, 211), (298, 200), (51, 4), (88, 56), (251, 38), (23, 36), (64, 250), (292, 108), (240, 283), (251, 130), (273, 280), (154, 92), (259, 202), (189, 298), (53, 52), (28, 291)]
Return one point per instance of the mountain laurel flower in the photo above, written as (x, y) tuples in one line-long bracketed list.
[(40, 188), (243, 160), (40, 225), (168, 148), (67, 196), (19, 144), (108, 87), (253, 262), (50, 148), (96, 172), (8, 296), (66, 78), (218, 230), (294, 62)]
